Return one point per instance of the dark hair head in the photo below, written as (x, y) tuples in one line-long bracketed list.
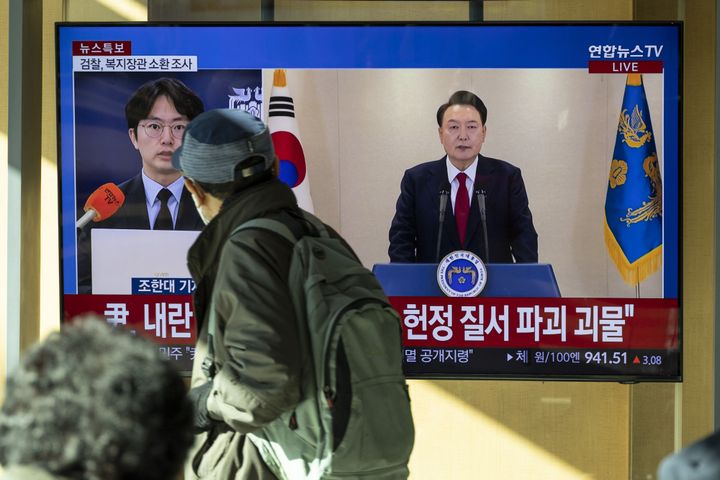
[(96, 403), (186, 102), (463, 97)]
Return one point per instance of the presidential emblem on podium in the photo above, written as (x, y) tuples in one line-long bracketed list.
[(461, 274)]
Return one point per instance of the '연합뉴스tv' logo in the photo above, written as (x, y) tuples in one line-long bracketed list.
[(461, 274)]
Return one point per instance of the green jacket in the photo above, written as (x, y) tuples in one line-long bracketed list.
[(257, 356)]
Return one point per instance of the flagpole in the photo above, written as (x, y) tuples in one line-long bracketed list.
[(637, 290)]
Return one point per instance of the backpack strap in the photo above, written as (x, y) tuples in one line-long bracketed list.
[(276, 226), (283, 230), (267, 224), (317, 223)]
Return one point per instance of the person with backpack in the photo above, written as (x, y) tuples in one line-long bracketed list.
[(297, 371)]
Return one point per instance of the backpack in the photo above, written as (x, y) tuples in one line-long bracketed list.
[(353, 419)]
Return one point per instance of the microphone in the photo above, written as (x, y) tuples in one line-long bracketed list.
[(480, 194), (101, 204), (444, 195)]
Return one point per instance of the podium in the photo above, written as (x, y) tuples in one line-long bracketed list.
[(121, 255), (503, 280), (438, 339)]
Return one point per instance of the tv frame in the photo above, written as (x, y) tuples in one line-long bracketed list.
[(254, 26)]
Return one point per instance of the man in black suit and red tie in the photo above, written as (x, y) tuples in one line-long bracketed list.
[(467, 180)]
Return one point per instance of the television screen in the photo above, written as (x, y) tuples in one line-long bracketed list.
[(588, 112)]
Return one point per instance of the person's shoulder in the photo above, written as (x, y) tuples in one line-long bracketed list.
[(426, 166), (498, 164), (131, 183), (700, 460)]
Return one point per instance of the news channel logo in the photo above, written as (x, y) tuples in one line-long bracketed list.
[(461, 274)]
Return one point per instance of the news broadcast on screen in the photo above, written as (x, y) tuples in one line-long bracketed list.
[(588, 112)]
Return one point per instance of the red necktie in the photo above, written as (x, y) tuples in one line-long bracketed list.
[(462, 207)]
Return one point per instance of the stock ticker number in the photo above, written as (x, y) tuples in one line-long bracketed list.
[(605, 358), (651, 360), (621, 358)]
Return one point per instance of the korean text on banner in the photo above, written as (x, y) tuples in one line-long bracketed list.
[(633, 205), (286, 140)]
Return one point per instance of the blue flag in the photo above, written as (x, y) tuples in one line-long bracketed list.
[(633, 205)]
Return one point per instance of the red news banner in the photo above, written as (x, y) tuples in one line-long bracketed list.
[(166, 319), (591, 323), (441, 322), (101, 48)]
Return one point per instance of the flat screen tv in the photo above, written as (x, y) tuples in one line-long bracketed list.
[(589, 112)]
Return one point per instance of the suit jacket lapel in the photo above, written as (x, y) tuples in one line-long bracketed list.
[(188, 217), (134, 214), (136, 203), (482, 181), (436, 176), (433, 180)]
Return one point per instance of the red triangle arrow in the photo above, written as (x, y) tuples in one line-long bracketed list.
[(636, 359)]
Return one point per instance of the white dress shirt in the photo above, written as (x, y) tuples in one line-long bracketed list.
[(152, 188), (454, 184)]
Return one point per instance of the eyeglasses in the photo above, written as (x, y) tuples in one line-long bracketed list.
[(155, 129)]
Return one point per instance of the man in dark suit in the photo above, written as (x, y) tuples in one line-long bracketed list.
[(155, 198), (466, 179)]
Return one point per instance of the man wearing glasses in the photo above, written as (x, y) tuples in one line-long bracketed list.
[(155, 198)]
